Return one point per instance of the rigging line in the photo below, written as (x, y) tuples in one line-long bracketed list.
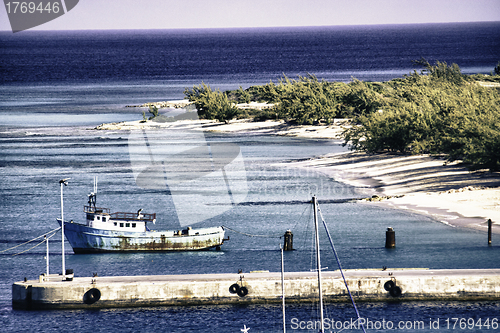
[(251, 235), (312, 262), (11, 248), (305, 233), (266, 236), (31, 248), (300, 218), (340, 267)]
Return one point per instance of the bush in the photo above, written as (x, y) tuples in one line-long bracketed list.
[(437, 111), (404, 130), (497, 69), (440, 113), (154, 111), (211, 104)]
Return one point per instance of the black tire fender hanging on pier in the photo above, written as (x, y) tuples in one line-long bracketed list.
[(92, 296), (395, 291), (389, 285), (243, 291), (234, 289)]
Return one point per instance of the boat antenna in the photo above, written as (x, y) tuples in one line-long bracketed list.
[(95, 191), (93, 196)]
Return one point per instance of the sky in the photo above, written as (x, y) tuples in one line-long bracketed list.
[(189, 14)]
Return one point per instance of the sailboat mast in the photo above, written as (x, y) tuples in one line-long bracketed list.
[(283, 288), (318, 263)]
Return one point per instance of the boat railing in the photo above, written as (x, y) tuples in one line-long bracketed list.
[(120, 215), (132, 216), (98, 210)]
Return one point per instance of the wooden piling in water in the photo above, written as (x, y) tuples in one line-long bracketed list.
[(489, 231), (390, 238), (288, 244)]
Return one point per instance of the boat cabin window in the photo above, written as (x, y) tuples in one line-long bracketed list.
[(127, 225), (98, 218), (115, 224), (121, 225), (133, 225)]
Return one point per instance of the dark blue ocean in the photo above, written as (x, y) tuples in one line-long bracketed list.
[(56, 86), (98, 72)]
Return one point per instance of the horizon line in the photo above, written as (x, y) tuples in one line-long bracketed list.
[(257, 27)]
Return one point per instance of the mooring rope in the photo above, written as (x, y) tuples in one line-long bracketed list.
[(45, 234), (31, 248), (252, 235), (340, 267)]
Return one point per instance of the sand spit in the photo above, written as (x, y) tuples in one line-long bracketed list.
[(269, 127), (450, 193)]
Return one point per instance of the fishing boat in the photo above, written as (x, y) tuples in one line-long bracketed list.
[(129, 232)]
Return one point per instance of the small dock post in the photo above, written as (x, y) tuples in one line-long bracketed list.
[(47, 254), (288, 244), (390, 238), (489, 231)]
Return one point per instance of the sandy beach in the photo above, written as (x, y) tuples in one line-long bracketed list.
[(448, 192), (237, 126)]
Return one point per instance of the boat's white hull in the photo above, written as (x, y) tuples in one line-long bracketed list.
[(84, 239)]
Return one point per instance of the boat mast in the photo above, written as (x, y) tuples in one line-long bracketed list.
[(318, 263), (65, 183)]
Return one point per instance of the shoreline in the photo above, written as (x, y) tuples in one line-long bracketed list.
[(423, 184), (269, 127), (447, 192)]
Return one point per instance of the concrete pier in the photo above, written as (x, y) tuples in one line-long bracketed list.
[(263, 287)]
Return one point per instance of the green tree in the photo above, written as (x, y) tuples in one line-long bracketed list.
[(442, 71), (438, 113), (472, 132), (154, 111), (406, 129), (211, 104), (361, 98), (306, 100), (243, 96)]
